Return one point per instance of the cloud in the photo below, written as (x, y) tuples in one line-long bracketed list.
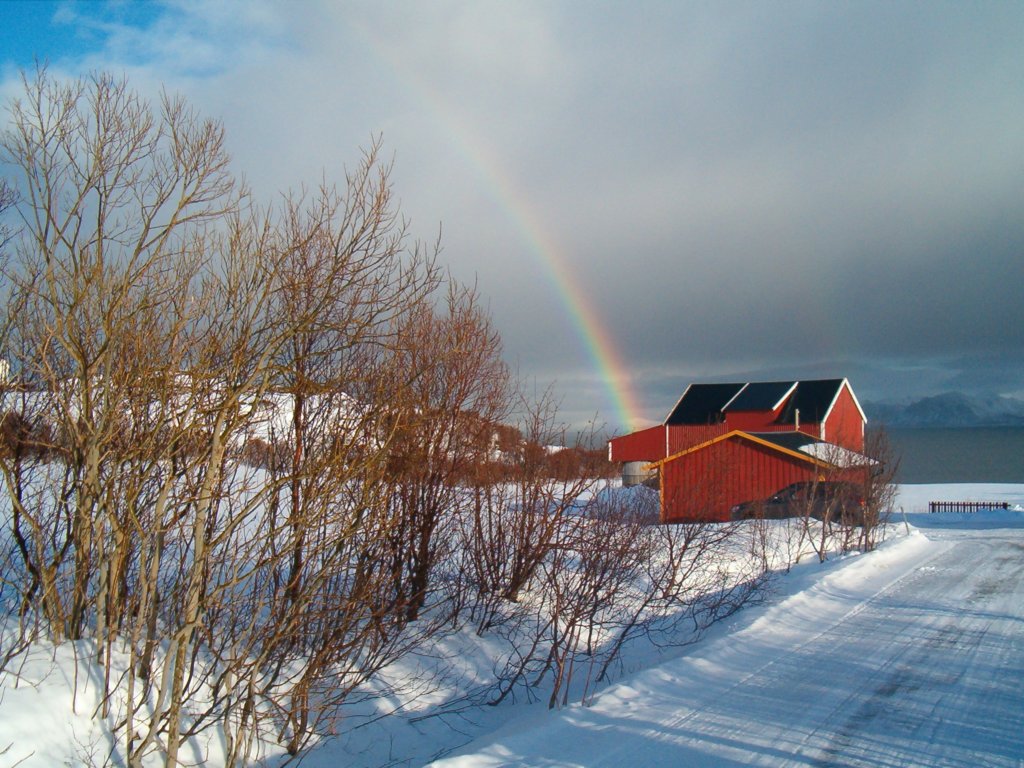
[(736, 188)]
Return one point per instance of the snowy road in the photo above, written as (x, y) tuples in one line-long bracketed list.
[(913, 656)]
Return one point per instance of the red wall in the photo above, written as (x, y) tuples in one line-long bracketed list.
[(706, 484), (684, 436), (649, 444), (752, 421), (845, 426), (645, 445)]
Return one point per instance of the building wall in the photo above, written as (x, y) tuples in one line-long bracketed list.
[(682, 437), (706, 484), (845, 426), (752, 421), (645, 445)]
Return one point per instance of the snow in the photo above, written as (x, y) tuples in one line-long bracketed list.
[(909, 655), (836, 454)]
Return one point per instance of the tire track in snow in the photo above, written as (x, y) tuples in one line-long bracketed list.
[(925, 668), (926, 693), (781, 672)]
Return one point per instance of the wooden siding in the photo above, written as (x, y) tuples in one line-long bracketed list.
[(684, 436), (645, 445), (845, 425), (706, 483), (753, 421)]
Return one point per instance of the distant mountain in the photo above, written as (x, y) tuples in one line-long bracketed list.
[(952, 409)]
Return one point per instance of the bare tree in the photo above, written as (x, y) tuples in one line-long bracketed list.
[(345, 285), (457, 392), (348, 279), (113, 196), (847, 498), (588, 582), (611, 574), (7, 200), (157, 325), (515, 517), (879, 488)]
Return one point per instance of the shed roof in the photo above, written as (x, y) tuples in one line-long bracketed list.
[(795, 444), (793, 441), (821, 450)]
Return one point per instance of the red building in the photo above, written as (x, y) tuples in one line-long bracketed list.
[(722, 444)]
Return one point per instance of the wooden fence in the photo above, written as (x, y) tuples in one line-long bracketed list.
[(965, 506)]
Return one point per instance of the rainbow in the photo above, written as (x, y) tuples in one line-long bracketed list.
[(588, 325), (549, 255)]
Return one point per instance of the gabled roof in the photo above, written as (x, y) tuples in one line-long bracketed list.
[(795, 444), (762, 396), (815, 400), (703, 404)]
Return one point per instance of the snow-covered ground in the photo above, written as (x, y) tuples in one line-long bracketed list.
[(909, 655)]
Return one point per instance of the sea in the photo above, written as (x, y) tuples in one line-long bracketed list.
[(959, 455)]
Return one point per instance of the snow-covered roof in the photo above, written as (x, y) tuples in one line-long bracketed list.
[(820, 450)]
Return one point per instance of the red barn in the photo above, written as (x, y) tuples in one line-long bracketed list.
[(722, 444)]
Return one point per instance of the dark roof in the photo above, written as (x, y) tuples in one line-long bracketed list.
[(706, 403), (812, 399), (792, 441), (761, 396), (820, 450), (703, 403)]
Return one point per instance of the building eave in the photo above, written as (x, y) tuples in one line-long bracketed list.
[(839, 390), (738, 433)]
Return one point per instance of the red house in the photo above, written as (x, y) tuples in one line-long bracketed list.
[(722, 444)]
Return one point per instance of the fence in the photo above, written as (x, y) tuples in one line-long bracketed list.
[(965, 506)]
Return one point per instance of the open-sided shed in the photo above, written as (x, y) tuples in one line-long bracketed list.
[(705, 481)]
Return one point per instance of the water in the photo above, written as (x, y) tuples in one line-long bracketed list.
[(965, 455)]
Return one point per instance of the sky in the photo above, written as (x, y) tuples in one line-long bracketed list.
[(647, 193)]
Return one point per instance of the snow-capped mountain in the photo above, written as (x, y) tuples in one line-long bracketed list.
[(951, 409)]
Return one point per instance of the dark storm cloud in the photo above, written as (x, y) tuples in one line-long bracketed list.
[(842, 192), (739, 190)]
